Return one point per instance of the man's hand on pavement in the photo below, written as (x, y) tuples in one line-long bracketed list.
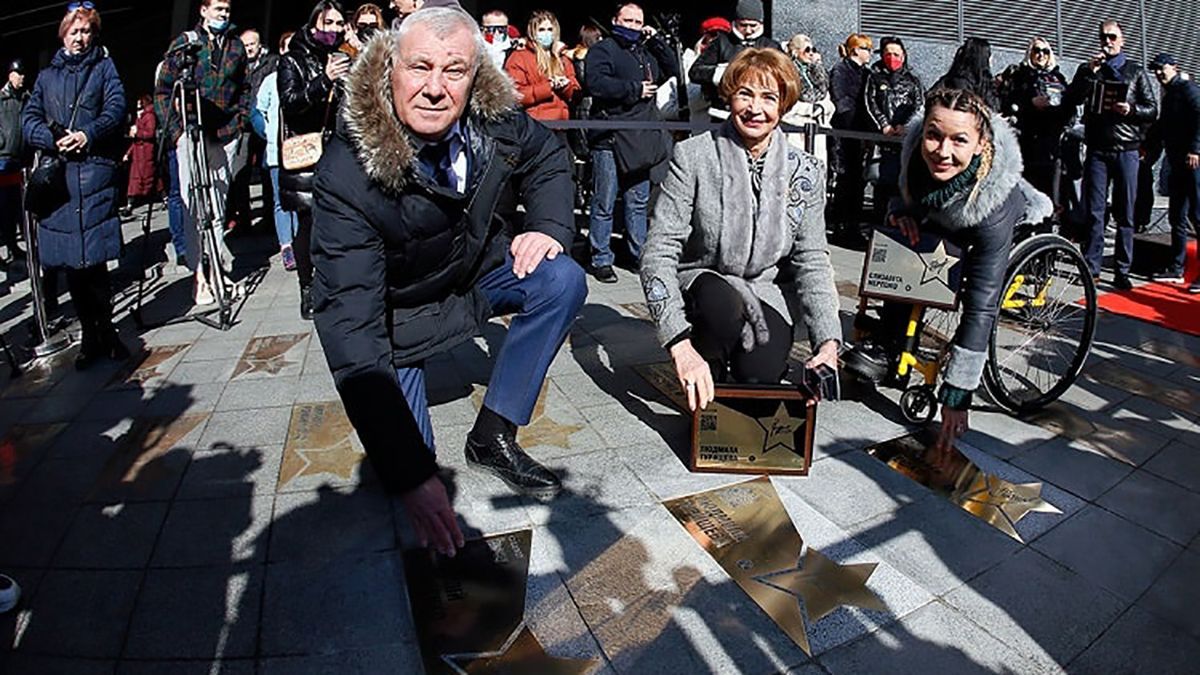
[(432, 517), (530, 249)]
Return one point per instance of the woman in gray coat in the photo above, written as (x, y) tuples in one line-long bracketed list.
[(739, 223)]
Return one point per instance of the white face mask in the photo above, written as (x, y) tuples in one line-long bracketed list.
[(545, 38)]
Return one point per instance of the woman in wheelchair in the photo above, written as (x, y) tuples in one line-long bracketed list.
[(741, 216), (960, 180)]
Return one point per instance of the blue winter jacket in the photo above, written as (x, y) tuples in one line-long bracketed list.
[(86, 230)]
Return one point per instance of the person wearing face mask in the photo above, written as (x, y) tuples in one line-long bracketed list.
[(225, 99), (500, 38), (310, 82), (961, 180), (1032, 93), (77, 111), (747, 31), (893, 95), (1114, 135), (726, 251), (544, 76), (367, 20), (847, 84)]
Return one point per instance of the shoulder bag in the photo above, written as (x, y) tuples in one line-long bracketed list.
[(303, 151), (46, 190)]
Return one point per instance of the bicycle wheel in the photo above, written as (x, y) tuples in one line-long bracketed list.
[(1044, 331)]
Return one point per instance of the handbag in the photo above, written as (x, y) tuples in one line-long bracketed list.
[(303, 151), (640, 150), (46, 190)]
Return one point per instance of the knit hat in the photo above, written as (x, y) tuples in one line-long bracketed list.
[(716, 23), (750, 10), (15, 66)]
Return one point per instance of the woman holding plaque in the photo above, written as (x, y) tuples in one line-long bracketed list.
[(960, 180), (741, 217)]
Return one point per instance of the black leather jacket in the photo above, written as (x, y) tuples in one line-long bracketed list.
[(1109, 132), (892, 98), (1040, 129), (306, 107)]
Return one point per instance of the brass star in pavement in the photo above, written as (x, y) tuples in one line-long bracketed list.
[(781, 430), (267, 354), (526, 656), (542, 428), (340, 460), (822, 585), (938, 265), (1002, 504)]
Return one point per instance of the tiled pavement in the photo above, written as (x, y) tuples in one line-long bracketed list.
[(211, 513)]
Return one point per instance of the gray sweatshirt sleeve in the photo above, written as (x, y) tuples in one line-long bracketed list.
[(811, 269), (670, 228)]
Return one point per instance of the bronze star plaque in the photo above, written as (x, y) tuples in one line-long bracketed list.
[(1171, 352), (320, 441), (746, 529), (993, 500), (759, 430), (20, 443), (542, 429), (470, 610), (268, 354), (148, 365), (662, 377), (138, 466)]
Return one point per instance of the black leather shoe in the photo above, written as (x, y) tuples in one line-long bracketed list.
[(868, 360), (605, 275), (306, 311), (501, 455), (1122, 283)]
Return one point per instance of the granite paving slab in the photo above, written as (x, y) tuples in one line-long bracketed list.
[(1179, 463), (112, 536), (1157, 505), (205, 613), (328, 523), (1139, 642), (64, 613), (1175, 595), (234, 530)]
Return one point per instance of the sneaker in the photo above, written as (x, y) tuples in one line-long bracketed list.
[(1122, 283), (605, 274), (1195, 287), (306, 308), (204, 295), (1168, 277), (289, 258), (10, 593)]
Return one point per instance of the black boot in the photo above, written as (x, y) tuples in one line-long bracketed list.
[(494, 448), (111, 346), (306, 311), (90, 347)]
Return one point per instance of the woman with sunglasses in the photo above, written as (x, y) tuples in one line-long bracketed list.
[(367, 20), (1031, 93), (77, 112), (815, 106)]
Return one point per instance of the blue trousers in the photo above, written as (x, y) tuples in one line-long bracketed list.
[(1183, 186), (285, 221), (636, 196), (546, 304), (1098, 169), (175, 208)]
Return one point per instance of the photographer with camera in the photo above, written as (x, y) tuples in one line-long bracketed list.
[(310, 92), (75, 119), (214, 54)]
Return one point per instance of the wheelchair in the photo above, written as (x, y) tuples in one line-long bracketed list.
[(1039, 345)]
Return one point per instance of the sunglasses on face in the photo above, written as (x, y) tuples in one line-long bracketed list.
[(495, 29), (1109, 37), (76, 6), (1041, 51), (810, 50), (365, 26)]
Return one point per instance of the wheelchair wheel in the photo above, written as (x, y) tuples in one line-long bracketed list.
[(918, 404), (1045, 327)]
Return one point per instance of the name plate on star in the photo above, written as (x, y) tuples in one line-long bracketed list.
[(754, 429), (929, 273)]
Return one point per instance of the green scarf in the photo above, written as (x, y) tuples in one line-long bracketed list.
[(934, 195)]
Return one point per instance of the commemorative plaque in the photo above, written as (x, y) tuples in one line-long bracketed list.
[(761, 429), (929, 273)]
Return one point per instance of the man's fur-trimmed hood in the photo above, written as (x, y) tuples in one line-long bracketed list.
[(992, 189), (380, 140)]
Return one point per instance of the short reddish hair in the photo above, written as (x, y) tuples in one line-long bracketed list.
[(763, 66), (91, 16)]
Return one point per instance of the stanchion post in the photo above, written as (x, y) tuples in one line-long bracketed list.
[(810, 138), (48, 343)]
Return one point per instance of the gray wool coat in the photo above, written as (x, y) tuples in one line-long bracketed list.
[(707, 221)]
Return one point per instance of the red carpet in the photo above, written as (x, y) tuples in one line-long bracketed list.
[(1168, 305)]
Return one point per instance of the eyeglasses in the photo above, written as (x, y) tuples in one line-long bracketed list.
[(76, 6), (1109, 37), (1041, 51)]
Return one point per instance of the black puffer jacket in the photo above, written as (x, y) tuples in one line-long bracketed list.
[(707, 70), (1110, 132), (1040, 129), (892, 98), (12, 146), (1177, 130), (981, 223), (614, 73), (306, 107), (847, 82), (397, 258)]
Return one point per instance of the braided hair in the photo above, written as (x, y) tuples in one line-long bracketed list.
[(966, 101)]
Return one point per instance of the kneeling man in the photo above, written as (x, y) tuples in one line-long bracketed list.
[(410, 258)]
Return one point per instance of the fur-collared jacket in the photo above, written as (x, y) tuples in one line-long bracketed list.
[(981, 222), (397, 257), (708, 221)]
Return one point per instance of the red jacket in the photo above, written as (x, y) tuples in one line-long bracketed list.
[(538, 99)]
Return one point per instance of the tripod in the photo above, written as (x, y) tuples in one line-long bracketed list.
[(205, 206)]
